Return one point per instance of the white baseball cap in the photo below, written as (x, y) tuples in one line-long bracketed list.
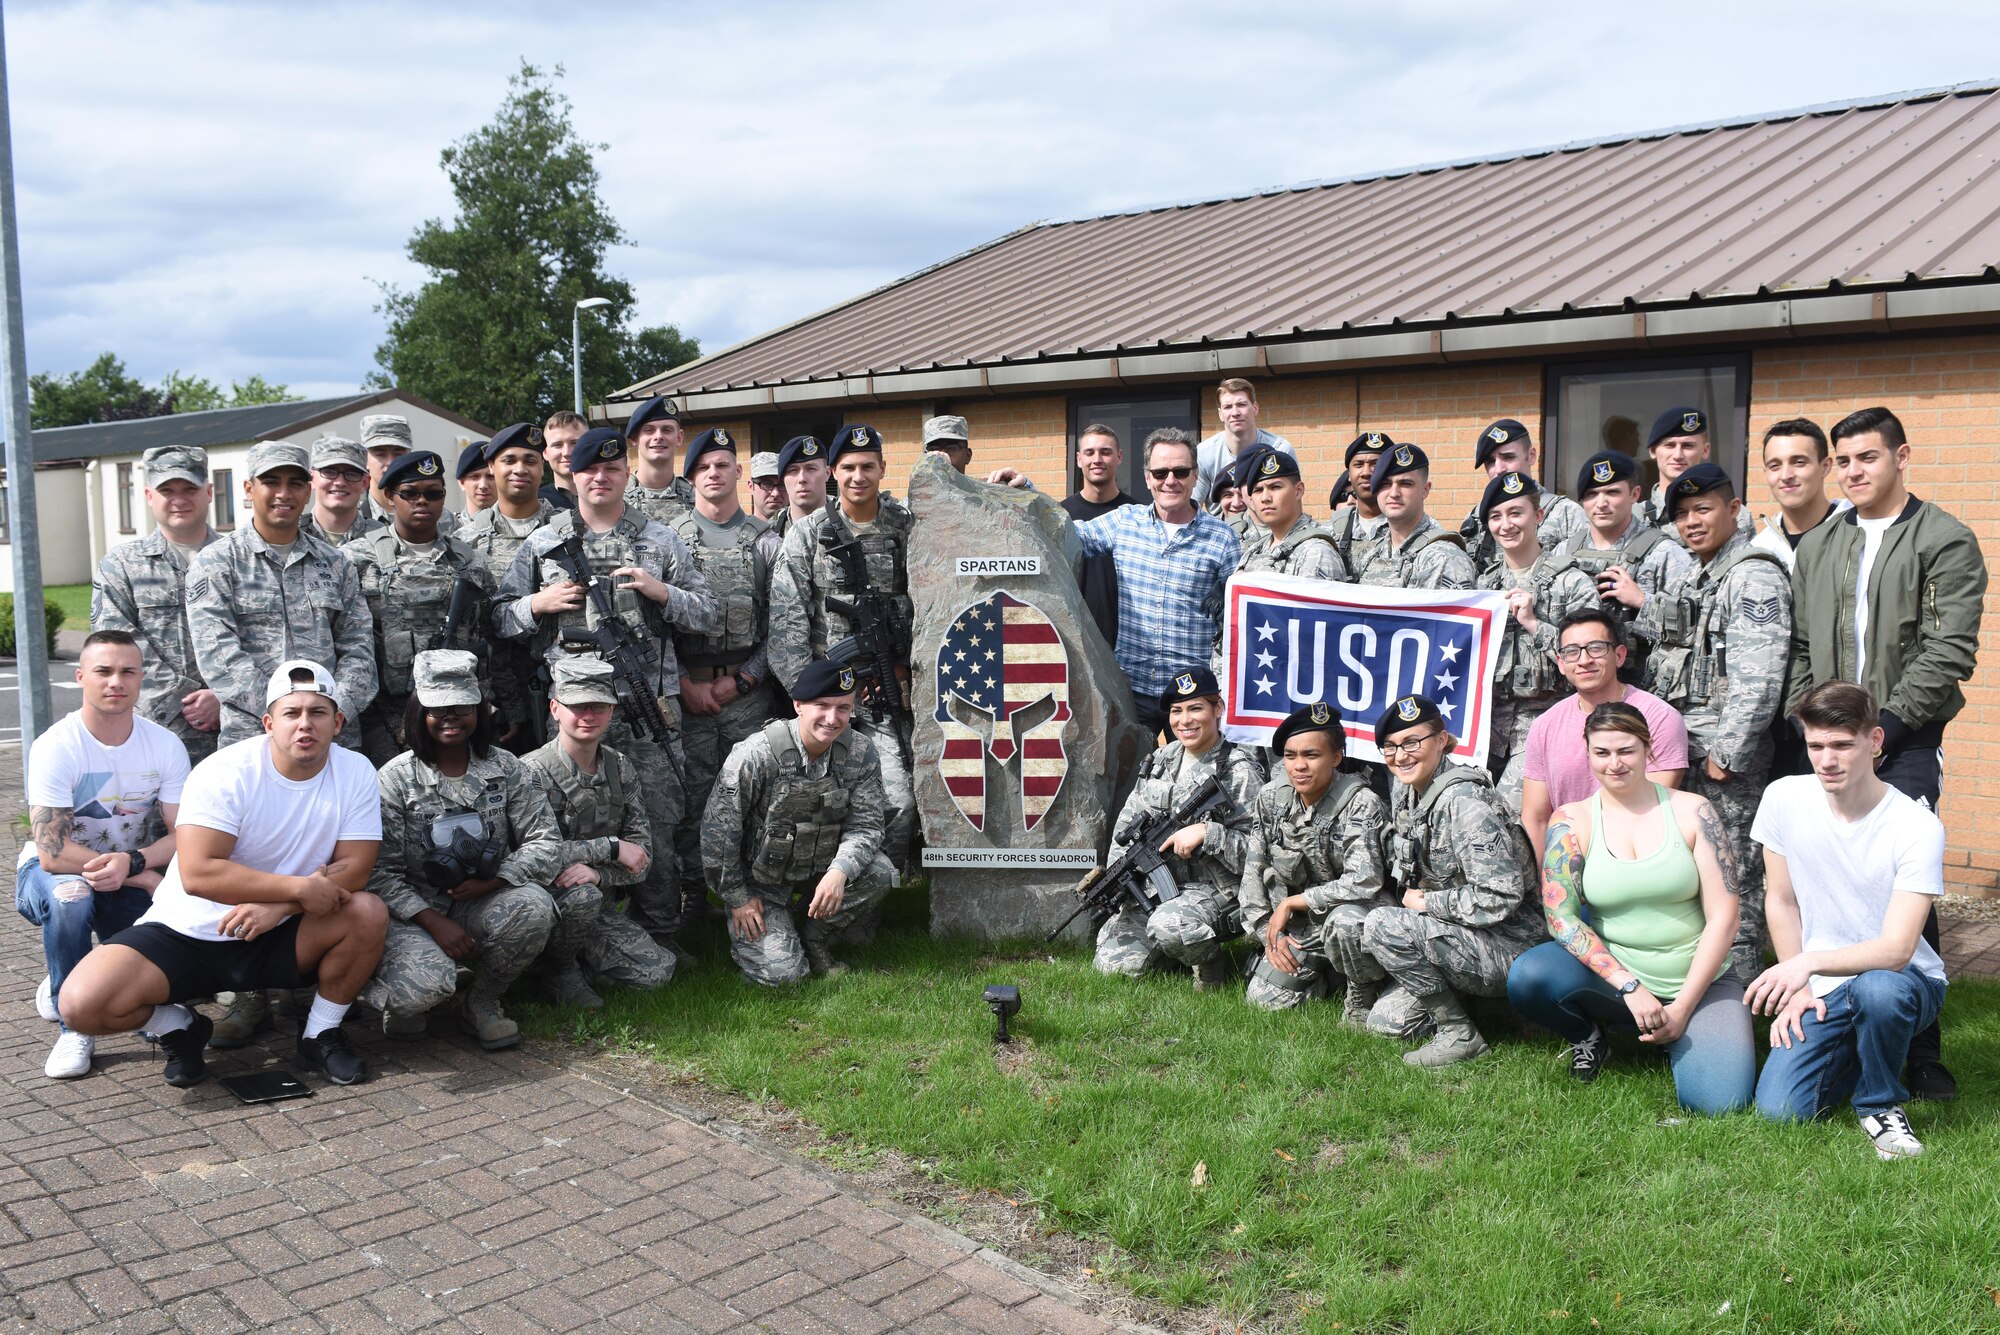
[(299, 674)]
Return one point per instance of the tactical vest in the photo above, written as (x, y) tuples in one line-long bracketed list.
[(804, 818), (666, 504), (1340, 527), (1688, 661), (495, 542), (581, 814), (623, 544), (738, 578), (1519, 671), (883, 552), (414, 599), (1594, 561), (1306, 859), (1278, 556), (1409, 840), (1408, 560), (429, 801)]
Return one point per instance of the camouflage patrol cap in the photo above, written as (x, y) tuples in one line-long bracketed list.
[(446, 677), (948, 430), (267, 455), (582, 680), (163, 463), (386, 431), (764, 465), (331, 451)]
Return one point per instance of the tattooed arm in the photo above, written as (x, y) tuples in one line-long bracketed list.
[(1562, 899)]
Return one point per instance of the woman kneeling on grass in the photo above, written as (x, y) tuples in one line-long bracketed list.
[(1655, 872)]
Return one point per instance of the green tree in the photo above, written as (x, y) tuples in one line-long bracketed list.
[(488, 333), (249, 393), (104, 392)]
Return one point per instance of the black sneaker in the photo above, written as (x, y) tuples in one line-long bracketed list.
[(186, 1067), (331, 1057), (1929, 1080), (1586, 1056)]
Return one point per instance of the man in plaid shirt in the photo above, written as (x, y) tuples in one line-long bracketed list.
[(1172, 560)]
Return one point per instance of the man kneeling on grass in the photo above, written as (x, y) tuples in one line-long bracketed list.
[(1852, 868), (277, 835)]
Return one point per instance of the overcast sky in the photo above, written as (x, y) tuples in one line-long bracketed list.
[(217, 188)]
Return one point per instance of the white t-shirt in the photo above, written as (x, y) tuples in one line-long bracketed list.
[(1872, 531), (109, 790), (1844, 872), (281, 826)]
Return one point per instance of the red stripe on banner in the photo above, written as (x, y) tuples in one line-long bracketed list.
[(1033, 785), (1035, 672), (1062, 711), (1042, 748), (966, 787), (1031, 632), (963, 748)]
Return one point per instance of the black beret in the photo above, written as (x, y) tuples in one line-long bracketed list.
[(1604, 468), (1677, 422), (1192, 684), (715, 438), (520, 436), (854, 437), (1312, 718), (822, 678), (1404, 714), (1402, 459), (1700, 478), (1503, 432), (409, 467), (1265, 462), (1505, 488), (1368, 442), (660, 408), (1342, 491), (472, 458), (600, 444), (800, 448)]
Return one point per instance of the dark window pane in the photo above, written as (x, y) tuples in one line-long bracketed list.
[(1133, 420), (1611, 406)]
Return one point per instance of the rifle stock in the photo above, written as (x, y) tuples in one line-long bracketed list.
[(616, 641), (1129, 878)]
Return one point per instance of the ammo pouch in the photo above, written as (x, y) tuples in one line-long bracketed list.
[(461, 850)]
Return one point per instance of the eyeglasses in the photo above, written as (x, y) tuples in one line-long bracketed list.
[(1597, 649), (415, 494), (449, 711), (1162, 474), (1408, 748)]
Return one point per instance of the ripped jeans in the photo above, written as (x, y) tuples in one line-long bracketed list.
[(68, 911)]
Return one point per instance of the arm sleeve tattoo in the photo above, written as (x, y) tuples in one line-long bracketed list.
[(1710, 824), (1562, 901), (50, 828)]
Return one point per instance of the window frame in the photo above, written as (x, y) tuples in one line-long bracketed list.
[(123, 486), (222, 510), (1133, 481), (1738, 438)]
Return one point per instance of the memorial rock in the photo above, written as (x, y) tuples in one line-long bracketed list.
[(1026, 738)]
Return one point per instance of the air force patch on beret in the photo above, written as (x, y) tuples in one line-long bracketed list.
[(1601, 471), (1692, 423), (1407, 709), (859, 438), (428, 468), (1321, 714), (1497, 434), (1512, 486), (1403, 456), (846, 679), (809, 450), (1185, 683), (722, 438), (1270, 465)]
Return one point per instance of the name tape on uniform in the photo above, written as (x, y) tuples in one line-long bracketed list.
[(1081, 859), (970, 566)]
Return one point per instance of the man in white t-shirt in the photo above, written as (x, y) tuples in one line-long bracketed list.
[(1236, 406), (1852, 867), (101, 783), (277, 836)]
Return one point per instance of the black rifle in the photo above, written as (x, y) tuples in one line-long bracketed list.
[(467, 610), (624, 648), (879, 642), (1140, 876)]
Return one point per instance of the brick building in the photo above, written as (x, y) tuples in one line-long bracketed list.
[(1799, 264)]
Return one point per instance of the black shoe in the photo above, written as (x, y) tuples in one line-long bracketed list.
[(186, 1067), (1929, 1081), (331, 1057), (1586, 1056)]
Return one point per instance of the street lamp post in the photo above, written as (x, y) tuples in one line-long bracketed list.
[(576, 342)]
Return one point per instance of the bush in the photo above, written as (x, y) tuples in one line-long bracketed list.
[(52, 618)]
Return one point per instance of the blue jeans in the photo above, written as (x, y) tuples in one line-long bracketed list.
[(1714, 1059), (67, 919), (1856, 1052)]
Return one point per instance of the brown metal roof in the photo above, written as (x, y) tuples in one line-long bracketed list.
[(1870, 195)]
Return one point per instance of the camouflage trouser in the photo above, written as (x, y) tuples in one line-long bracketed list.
[(619, 952), (655, 902), (512, 927), (1187, 929), (1507, 759), (200, 745), (577, 910), (415, 974), (1428, 955), (1329, 952), (778, 956), (518, 693), (706, 740), (899, 800), (1735, 805)]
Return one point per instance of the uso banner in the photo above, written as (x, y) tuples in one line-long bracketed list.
[(1288, 642)]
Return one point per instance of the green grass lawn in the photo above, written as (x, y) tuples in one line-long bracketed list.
[(1345, 1191), (74, 600)]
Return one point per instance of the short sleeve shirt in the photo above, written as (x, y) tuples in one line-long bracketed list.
[(1557, 756), (111, 791)]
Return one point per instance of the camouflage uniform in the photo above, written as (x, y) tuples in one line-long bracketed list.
[(633, 541), (365, 522), (776, 823), (1189, 928), (1353, 534), (1433, 558), (803, 627), (1332, 853), (1564, 525), (409, 593), (665, 504), (1526, 680), (594, 812), (1458, 844), (1725, 636), (141, 589), (512, 924), (1654, 563), (246, 615), (1307, 550), (496, 539)]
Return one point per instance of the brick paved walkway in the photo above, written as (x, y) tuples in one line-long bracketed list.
[(456, 1191)]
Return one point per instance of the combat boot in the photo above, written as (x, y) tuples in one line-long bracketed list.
[(407, 1028), (1211, 973), (1457, 1038), (567, 987), (1360, 1000), (250, 1012), (482, 1017), (818, 958)]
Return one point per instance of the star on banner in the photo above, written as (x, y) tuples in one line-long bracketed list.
[(1446, 680), (1268, 631), (1265, 660), (1264, 685), (1449, 652)]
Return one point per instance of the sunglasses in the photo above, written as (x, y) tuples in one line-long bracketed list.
[(415, 494), (1162, 474)]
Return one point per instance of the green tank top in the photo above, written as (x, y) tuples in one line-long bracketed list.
[(1648, 910)]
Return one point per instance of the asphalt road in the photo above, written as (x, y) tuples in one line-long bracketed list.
[(64, 696)]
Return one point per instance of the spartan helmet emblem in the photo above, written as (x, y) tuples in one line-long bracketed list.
[(1407, 710), (858, 438), (1512, 486), (846, 679), (1321, 714), (1403, 456), (1691, 423), (722, 438), (428, 468), (1601, 471), (1269, 466), (1003, 660), (1185, 683)]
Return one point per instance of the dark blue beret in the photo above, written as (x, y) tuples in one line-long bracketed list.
[(472, 458), (1677, 422), (715, 438), (1401, 459), (1311, 718), (1265, 462), (1505, 488), (600, 444), (1700, 478), (1192, 684), (1368, 442), (855, 436), (416, 465), (1343, 490), (1503, 432), (520, 436), (822, 678), (1604, 468), (798, 448), (650, 410), (1404, 714)]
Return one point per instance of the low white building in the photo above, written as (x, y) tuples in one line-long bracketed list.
[(90, 485)]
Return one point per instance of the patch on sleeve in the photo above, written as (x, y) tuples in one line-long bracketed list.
[(197, 588), (1762, 611)]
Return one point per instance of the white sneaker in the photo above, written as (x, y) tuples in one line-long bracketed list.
[(45, 1002), (70, 1057), (1890, 1131)]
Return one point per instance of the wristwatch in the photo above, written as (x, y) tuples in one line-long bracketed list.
[(743, 684), (138, 857), (1629, 988)]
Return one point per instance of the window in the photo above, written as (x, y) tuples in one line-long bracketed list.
[(225, 499), (1592, 406), (124, 498), (6, 517), (1133, 420)]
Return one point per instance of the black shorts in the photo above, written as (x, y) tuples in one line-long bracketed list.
[(196, 968)]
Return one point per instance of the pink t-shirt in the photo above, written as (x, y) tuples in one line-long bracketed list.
[(1558, 758)]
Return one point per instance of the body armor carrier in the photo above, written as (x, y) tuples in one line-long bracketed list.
[(1305, 859), (1688, 663), (882, 550), (1406, 563), (804, 817), (1409, 863), (1519, 671), (737, 576), (415, 598), (621, 545)]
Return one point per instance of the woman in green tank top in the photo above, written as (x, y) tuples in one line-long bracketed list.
[(1639, 887)]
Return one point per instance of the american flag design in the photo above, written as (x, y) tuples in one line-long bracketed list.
[(1002, 657)]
